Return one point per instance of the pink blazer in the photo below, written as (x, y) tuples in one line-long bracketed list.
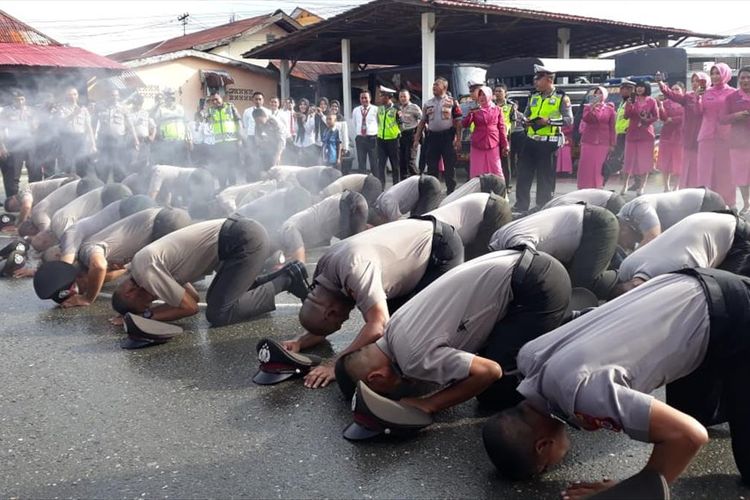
[(711, 105), (598, 125), (672, 132), (633, 110), (489, 128)]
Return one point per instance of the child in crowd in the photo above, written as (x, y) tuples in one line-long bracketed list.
[(331, 142)]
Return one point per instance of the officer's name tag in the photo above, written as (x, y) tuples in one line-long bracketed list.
[(552, 100)]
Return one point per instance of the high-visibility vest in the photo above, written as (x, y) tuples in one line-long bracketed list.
[(621, 123), (223, 124), (172, 129), (388, 122), (545, 107), (507, 110)]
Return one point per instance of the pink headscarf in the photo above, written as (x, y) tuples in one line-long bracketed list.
[(605, 93), (488, 93), (725, 72), (702, 76)]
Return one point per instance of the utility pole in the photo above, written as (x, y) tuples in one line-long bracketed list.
[(184, 20)]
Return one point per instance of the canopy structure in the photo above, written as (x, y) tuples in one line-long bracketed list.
[(388, 32)]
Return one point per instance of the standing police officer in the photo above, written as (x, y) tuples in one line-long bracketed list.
[(225, 139), (172, 133), (548, 111), (389, 134)]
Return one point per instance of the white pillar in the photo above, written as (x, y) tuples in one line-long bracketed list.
[(428, 54), (563, 47), (664, 42), (346, 76), (284, 83)]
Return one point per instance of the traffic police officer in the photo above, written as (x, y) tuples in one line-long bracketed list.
[(172, 133), (224, 140), (548, 111), (389, 132)]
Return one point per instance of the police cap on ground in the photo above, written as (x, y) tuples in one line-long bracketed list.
[(135, 204), (278, 364), (375, 415), (114, 192), (13, 262), (144, 332), (7, 220), (581, 299), (169, 220), (54, 280), (87, 184), (17, 245)]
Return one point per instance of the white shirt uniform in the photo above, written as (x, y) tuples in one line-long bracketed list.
[(598, 197)]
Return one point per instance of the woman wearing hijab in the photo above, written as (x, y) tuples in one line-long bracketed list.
[(642, 111), (737, 114), (489, 139), (598, 138), (565, 153), (691, 126), (672, 115), (713, 137), (305, 139)]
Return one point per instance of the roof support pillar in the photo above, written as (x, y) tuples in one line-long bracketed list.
[(664, 42), (428, 54), (284, 69), (563, 47), (346, 76)]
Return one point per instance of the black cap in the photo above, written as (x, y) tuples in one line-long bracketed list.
[(53, 280), (375, 415), (17, 245), (580, 299), (7, 220), (144, 332), (88, 184), (16, 260), (135, 204), (278, 364), (114, 192)]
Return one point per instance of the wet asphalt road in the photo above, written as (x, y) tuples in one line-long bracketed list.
[(80, 417)]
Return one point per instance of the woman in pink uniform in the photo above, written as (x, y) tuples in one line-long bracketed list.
[(713, 137), (670, 141), (642, 111), (489, 139), (737, 114), (598, 137), (692, 124), (565, 153)]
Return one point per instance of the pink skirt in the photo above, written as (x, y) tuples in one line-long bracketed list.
[(670, 158), (714, 169), (689, 178), (484, 161), (590, 165), (565, 160), (740, 160), (639, 157)]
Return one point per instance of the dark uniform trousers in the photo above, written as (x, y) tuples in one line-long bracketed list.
[(72, 152), (588, 269), (243, 248), (439, 145), (497, 213), (541, 293), (407, 154), (537, 160), (517, 142), (11, 167), (615, 203), (712, 201), (388, 150), (223, 161), (717, 391), (170, 152), (737, 260), (353, 215), (429, 195), (367, 147), (113, 158), (446, 253)]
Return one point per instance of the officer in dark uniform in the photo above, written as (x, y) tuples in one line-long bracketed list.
[(548, 110)]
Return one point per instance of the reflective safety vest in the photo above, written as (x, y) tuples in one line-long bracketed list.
[(507, 110), (223, 124), (172, 129), (621, 123), (388, 123), (545, 107)]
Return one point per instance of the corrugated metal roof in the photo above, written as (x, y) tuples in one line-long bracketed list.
[(53, 56), (14, 31), (201, 40), (311, 70)]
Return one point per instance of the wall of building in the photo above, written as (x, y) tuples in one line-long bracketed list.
[(239, 46), (184, 76)]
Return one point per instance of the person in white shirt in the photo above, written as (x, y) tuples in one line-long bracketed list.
[(305, 140), (365, 119), (248, 122)]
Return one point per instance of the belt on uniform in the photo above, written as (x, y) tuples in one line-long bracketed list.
[(544, 138), (522, 268)]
